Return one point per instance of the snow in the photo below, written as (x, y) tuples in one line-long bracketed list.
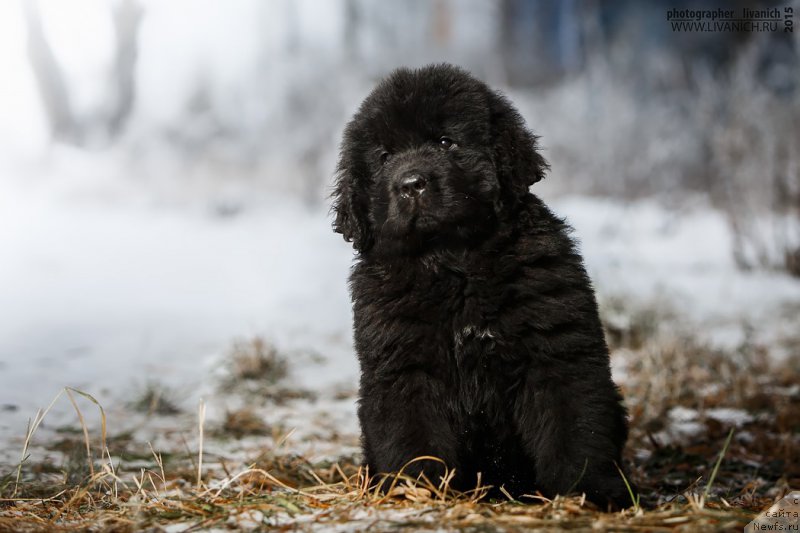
[(106, 295), (729, 416), (682, 424), (683, 258), (108, 290)]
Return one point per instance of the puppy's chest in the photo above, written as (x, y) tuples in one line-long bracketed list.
[(464, 322), (453, 319), (450, 324)]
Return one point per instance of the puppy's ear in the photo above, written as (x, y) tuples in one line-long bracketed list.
[(519, 163), (350, 204)]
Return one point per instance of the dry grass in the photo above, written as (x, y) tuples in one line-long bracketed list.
[(256, 368), (256, 360), (337, 495), (672, 379), (243, 422), (156, 398), (717, 478)]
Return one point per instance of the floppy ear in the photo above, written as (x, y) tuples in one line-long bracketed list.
[(350, 204), (517, 158)]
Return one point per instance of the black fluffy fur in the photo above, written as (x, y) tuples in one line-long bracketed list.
[(476, 324)]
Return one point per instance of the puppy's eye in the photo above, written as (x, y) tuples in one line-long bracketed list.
[(384, 157), (446, 143)]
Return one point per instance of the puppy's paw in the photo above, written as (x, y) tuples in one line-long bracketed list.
[(609, 492)]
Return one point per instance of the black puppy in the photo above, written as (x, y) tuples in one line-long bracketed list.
[(475, 322)]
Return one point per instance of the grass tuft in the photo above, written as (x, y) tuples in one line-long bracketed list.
[(156, 398), (256, 369), (257, 360), (243, 422)]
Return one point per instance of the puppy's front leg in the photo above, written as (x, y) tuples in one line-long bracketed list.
[(403, 418), (572, 424)]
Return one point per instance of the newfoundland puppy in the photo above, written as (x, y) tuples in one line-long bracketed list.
[(476, 324)]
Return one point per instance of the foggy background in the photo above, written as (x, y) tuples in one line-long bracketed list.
[(165, 166)]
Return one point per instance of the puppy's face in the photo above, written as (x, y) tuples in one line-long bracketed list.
[(423, 163), (432, 176)]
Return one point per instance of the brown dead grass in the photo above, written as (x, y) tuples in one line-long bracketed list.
[(243, 422), (120, 484), (156, 398), (256, 368), (257, 360), (259, 496)]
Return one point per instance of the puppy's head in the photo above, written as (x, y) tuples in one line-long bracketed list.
[(433, 158)]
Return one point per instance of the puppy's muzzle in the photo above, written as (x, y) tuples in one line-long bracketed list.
[(410, 186)]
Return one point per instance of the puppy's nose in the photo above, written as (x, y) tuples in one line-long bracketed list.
[(412, 186)]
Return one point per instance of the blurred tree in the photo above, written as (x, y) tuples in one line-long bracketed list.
[(541, 40), (49, 78), (65, 126), (127, 16), (352, 24), (442, 21)]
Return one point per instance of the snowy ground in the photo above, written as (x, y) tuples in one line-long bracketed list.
[(107, 294), (105, 289)]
